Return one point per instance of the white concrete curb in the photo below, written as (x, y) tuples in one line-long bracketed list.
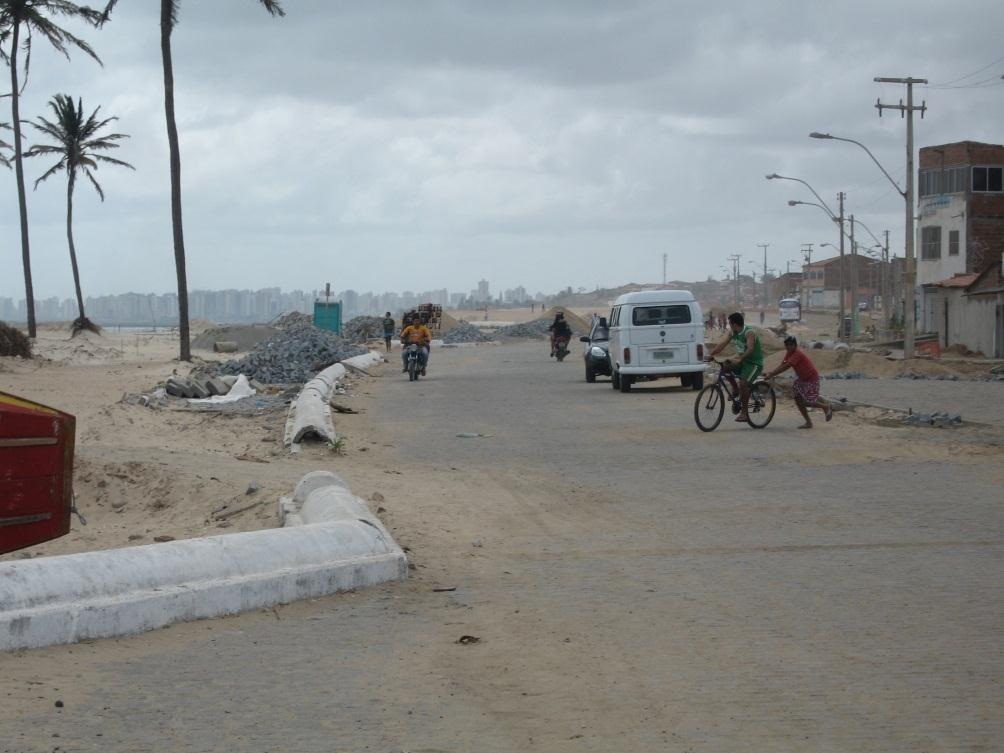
[(310, 413), (339, 545)]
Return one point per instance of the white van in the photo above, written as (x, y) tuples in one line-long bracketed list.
[(655, 334)]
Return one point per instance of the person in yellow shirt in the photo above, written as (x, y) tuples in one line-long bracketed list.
[(417, 333)]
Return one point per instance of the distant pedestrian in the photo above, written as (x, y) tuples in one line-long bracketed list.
[(389, 329), (805, 390), (761, 317)]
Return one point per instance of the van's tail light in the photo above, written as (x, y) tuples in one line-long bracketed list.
[(700, 352), (627, 355)]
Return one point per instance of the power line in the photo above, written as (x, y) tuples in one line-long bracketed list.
[(968, 75), (988, 83)]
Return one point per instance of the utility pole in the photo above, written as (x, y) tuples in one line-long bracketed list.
[(854, 280), (909, 317), (664, 268), (763, 278), (806, 288), (843, 310), (735, 275), (886, 279)]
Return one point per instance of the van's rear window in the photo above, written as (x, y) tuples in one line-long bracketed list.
[(660, 315)]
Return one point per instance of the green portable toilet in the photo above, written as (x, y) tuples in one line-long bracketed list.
[(328, 315)]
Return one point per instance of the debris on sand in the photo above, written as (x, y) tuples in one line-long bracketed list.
[(13, 342)]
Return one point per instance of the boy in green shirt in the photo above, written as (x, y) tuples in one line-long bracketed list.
[(749, 363)]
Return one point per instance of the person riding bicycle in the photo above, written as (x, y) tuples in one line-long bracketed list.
[(749, 363), (805, 390), (418, 334), (559, 328)]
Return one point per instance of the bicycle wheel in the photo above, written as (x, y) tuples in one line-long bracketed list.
[(761, 406), (709, 408)]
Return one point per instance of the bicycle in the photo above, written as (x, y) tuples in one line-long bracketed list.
[(710, 404)]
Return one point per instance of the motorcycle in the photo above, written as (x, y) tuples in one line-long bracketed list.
[(561, 347), (413, 362)]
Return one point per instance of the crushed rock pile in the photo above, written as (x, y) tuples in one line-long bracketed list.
[(363, 328), (465, 332), (13, 342), (294, 354), (534, 330)]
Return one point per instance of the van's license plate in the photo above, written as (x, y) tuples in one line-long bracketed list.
[(663, 355)]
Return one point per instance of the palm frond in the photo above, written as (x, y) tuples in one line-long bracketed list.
[(61, 165), (97, 186), (273, 7)]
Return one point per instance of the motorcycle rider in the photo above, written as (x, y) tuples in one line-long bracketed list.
[(559, 328), (417, 333)]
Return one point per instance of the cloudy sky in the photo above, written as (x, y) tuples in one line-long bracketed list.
[(418, 144)]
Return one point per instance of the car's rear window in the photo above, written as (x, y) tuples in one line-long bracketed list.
[(661, 315)]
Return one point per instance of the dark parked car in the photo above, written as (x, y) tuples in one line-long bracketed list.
[(596, 352)]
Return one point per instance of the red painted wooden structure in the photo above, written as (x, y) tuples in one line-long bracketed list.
[(36, 472)]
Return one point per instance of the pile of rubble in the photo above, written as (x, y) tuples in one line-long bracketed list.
[(363, 328), (293, 355), (465, 332), (201, 387), (848, 375), (938, 418), (534, 330)]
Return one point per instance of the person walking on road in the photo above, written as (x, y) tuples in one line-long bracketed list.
[(389, 327), (805, 390)]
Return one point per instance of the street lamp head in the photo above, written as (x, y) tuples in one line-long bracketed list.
[(772, 176), (792, 203), (818, 135)]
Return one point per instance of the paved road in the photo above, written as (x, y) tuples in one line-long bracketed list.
[(636, 585)]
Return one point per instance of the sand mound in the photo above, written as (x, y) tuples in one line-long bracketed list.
[(879, 366), (579, 325), (447, 322), (245, 335)]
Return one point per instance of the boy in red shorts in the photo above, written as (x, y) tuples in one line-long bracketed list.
[(805, 390)]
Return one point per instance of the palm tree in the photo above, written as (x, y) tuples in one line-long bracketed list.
[(35, 16), (79, 146), (168, 20)]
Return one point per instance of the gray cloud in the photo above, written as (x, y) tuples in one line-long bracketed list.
[(416, 145)]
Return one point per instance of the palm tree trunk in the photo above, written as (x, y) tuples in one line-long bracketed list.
[(29, 293), (73, 251), (172, 140)]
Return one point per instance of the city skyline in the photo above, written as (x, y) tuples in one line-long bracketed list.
[(247, 305)]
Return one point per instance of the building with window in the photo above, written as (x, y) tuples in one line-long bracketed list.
[(960, 200), (822, 280)]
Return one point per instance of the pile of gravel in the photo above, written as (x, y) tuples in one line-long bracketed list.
[(465, 332), (938, 418), (363, 328), (292, 356), (535, 330)]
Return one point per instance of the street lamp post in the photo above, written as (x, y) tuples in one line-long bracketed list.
[(882, 271), (911, 270), (839, 219)]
